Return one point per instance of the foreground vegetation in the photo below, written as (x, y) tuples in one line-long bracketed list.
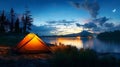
[(10, 39), (62, 56), (72, 57)]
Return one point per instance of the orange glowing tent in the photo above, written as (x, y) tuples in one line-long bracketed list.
[(32, 44)]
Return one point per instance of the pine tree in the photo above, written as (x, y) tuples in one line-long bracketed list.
[(12, 15), (7, 25), (17, 28), (27, 21), (2, 22)]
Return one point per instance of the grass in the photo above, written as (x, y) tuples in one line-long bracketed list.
[(10, 40)]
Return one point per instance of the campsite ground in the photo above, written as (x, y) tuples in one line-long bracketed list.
[(10, 40), (62, 56), (10, 59)]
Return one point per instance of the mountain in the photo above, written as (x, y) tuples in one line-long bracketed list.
[(85, 33), (82, 34)]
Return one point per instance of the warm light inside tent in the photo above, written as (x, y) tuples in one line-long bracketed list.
[(32, 43), (26, 39)]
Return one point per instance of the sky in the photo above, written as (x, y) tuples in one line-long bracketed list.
[(60, 17)]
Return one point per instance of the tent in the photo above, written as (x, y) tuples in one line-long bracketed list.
[(32, 44)]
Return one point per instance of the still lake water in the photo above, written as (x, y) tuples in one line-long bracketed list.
[(79, 42)]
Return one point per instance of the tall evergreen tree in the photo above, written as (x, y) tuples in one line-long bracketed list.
[(2, 22), (7, 25), (17, 28), (12, 15), (27, 21)]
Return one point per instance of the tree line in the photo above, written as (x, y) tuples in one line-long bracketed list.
[(112, 36), (14, 23)]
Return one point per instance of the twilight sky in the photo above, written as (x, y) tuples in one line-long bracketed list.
[(59, 17)]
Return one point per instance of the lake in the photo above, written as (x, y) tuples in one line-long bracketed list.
[(81, 42)]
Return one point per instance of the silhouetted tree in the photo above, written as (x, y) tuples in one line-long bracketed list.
[(21, 30), (7, 25), (12, 15), (27, 21), (13, 25), (111, 36), (2, 22), (17, 28)]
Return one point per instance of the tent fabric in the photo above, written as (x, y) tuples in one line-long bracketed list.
[(32, 44)]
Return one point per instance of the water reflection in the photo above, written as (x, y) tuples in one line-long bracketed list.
[(88, 43), (104, 47), (91, 43), (74, 41)]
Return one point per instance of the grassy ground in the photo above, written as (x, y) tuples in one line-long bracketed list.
[(10, 40)]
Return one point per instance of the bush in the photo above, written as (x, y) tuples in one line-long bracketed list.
[(72, 57)]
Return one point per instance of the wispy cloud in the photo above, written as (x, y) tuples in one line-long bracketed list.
[(99, 25), (109, 25), (101, 20), (79, 25), (90, 25), (43, 29), (60, 22), (92, 7), (75, 4)]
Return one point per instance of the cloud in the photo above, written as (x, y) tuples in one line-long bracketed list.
[(109, 25), (90, 25), (97, 29), (87, 25), (101, 20), (91, 7), (51, 22), (78, 25), (93, 23), (43, 30), (60, 22), (54, 28), (117, 27), (98, 24), (75, 4)]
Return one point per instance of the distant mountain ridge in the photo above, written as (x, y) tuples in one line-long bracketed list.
[(81, 34)]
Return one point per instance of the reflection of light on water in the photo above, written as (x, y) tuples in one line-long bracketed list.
[(90, 37), (90, 42), (78, 37), (74, 41)]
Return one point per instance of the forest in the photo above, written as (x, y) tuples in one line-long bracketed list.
[(11, 22)]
